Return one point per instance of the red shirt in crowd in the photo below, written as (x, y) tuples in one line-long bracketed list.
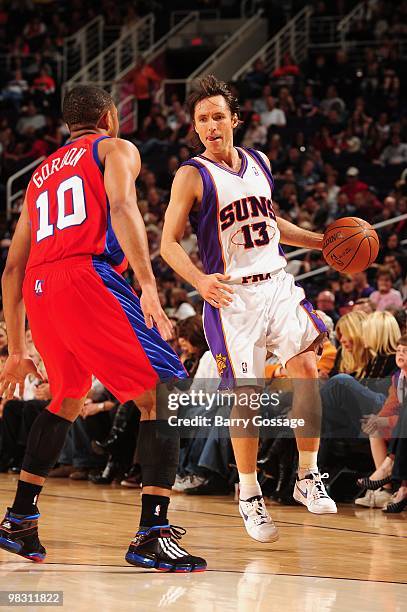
[(351, 189)]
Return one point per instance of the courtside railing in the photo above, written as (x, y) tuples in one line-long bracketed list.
[(12, 197), (80, 48), (347, 22), (120, 56), (178, 16), (293, 38)]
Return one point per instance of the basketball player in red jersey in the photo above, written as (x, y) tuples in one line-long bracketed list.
[(79, 223)]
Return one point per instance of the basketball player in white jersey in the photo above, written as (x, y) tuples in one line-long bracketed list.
[(251, 304)]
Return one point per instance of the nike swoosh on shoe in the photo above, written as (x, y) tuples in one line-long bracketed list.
[(302, 492)]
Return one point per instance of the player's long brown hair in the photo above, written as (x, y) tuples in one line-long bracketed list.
[(208, 87)]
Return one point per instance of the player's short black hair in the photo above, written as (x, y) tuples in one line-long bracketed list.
[(85, 105), (210, 86)]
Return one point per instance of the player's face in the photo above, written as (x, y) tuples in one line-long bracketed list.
[(214, 124)]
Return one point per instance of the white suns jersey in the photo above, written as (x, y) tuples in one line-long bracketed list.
[(236, 226)]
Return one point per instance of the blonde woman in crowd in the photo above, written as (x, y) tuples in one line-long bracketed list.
[(380, 335), (352, 356), (368, 347)]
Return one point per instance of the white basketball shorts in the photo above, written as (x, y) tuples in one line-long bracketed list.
[(269, 315)]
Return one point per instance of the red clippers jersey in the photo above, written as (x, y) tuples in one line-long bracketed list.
[(69, 209)]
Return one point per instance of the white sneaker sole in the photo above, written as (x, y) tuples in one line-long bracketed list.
[(270, 539), (298, 497)]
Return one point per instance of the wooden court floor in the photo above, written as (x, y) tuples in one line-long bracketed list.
[(355, 560)]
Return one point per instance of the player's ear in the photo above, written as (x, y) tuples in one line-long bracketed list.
[(105, 121), (235, 120)]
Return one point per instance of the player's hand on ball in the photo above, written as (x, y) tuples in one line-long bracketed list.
[(14, 372), (153, 313), (214, 290)]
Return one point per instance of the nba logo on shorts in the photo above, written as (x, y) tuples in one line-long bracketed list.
[(244, 367), (38, 287)]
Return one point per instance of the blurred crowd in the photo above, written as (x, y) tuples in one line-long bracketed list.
[(335, 132)]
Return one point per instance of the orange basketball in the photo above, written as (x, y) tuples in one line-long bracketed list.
[(350, 245)]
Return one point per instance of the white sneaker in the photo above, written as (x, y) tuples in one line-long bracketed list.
[(187, 482), (259, 524), (310, 491), (367, 501)]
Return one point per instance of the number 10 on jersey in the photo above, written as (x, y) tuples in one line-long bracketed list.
[(74, 184)]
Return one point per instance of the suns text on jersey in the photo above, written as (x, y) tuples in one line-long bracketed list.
[(245, 208), (71, 158)]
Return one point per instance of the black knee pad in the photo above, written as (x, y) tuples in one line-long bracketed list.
[(45, 441), (158, 453)]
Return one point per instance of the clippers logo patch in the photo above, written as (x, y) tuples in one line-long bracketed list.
[(39, 287)]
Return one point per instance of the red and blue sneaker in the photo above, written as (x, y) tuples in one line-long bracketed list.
[(157, 548), (19, 535)]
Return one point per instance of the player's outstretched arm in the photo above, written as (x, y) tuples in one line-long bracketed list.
[(186, 191), (296, 236), (122, 166), (18, 364)]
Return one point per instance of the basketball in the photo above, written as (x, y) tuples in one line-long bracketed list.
[(350, 245)]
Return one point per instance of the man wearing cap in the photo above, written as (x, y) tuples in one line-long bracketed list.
[(353, 185)]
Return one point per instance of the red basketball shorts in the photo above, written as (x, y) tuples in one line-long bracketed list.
[(86, 319)]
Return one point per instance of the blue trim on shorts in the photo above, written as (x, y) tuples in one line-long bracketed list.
[(163, 359)]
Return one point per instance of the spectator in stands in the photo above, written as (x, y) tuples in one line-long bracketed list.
[(31, 120), (345, 399), (352, 356), (385, 296), (255, 134), (43, 84), (353, 184), (144, 81), (395, 263), (286, 73), (273, 116), (392, 466), (257, 78), (192, 342), (286, 102), (364, 290), (182, 308), (344, 207), (326, 302), (332, 102), (395, 153), (364, 305), (15, 89), (347, 294)]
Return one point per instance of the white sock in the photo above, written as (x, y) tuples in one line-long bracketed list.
[(307, 462), (248, 486)]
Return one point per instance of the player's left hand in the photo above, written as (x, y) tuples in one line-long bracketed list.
[(153, 313), (16, 368)]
